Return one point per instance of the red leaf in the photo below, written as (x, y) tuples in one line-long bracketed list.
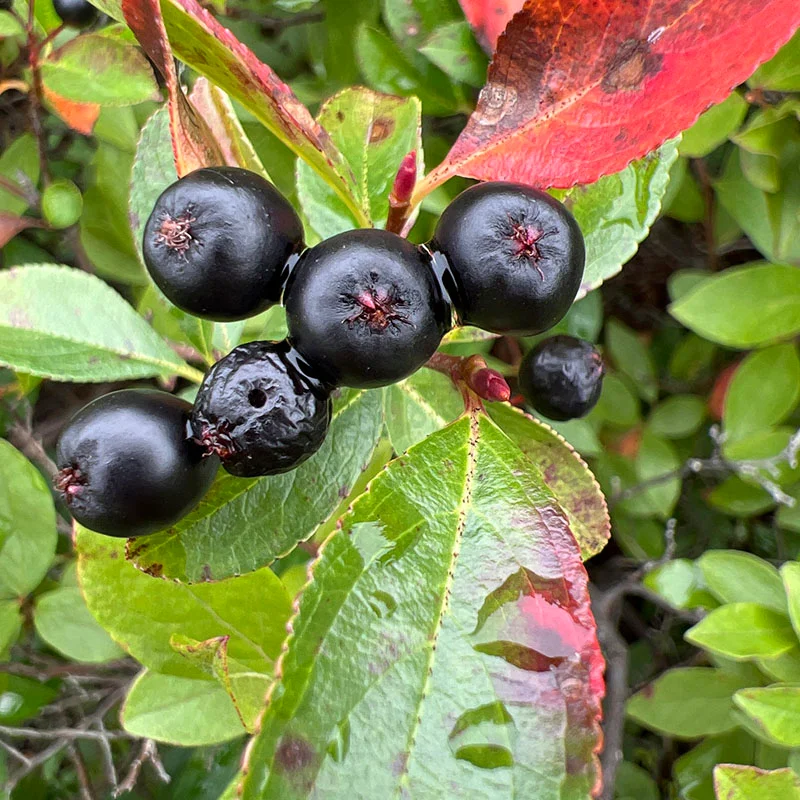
[(11, 225), (489, 18), (579, 89), (79, 116), (192, 142)]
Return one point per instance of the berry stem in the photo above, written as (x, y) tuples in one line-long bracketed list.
[(400, 197), (473, 378)]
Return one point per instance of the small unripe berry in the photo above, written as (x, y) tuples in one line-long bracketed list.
[(260, 411), (218, 241), (516, 256), (365, 308), (128, 465), (562, 377)]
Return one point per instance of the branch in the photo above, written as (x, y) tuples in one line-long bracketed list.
[(472, 378), (21, 436), (147, 752)]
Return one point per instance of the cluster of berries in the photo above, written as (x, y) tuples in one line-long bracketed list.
[(365, 308)]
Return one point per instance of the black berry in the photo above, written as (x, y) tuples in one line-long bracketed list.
[(77, 13), (218, 242), (516, 254), (562, 377), (259, 411), (365, 308), (128, 465)]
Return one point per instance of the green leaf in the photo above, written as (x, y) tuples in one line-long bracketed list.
[(412, 21), (670, 704), (374, 132), (65, 324), (153, 171), (742, 631), (677, 417), (785, 667), (21, 698), (714, 127), (768, 218), (635, 783), (470, 606), (418, 406), (616, 212), (744, 307), (738, 498), (105, 229), (20, 164), (734, 576), (97, 69), (632, 358), (388, 69), (10, 625), (565, 474), (242, 525), (764, 390), (66, 624), (775, 710), (683, 199), (782, 72), (617, 405), (142, 612), (680, 582), (10, 26), (790, 573), (246, 687), (452, 47), (656, 459), (181, 711), (27, 524), (734, 782)]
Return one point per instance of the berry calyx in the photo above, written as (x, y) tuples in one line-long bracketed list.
[(562, 377), (75, 13), (219, 243), (516, 256), (259, 411), (128, 466), (365, 308)]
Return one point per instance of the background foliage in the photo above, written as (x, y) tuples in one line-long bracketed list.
[(174, 639)]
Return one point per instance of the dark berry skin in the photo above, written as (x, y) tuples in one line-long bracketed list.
[(517, 256), (562, 377), (218, 241), (365, 308), (260, 412), (128, 465), (76, 13)]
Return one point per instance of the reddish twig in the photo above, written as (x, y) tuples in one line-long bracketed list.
[(473, 378)]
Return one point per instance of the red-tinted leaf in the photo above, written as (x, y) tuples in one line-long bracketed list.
[(489, 18), (192, 141), (445, 646), (578, 89), (80, 117), (11, 225), (215, 108)]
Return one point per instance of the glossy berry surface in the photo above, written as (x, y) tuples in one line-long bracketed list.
[(128, 465), (517, 256), (218, 241), (259, 412), (77, 13), (562, 377), (365, 308)]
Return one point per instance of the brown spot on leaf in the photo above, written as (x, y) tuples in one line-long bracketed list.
[(340, 116), (206, 573), (381, 129), (155, 570), (293, 754), (631, 64)]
